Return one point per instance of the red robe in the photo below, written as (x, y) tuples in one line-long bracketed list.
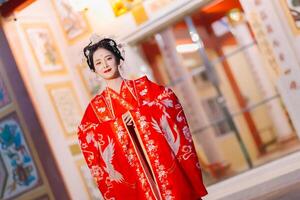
[(153, 159)]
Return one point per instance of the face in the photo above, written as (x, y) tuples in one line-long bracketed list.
[(105, 64)]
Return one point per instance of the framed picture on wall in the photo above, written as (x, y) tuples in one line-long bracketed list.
[(4, 96), (44, 48), (18, 170), (90, 185), (91, 82), (292, 11), (74, 24), (66, 105)]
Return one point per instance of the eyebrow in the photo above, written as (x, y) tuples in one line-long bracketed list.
[(104, 57)]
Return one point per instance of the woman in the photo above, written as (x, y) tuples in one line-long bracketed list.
[(135, 137)]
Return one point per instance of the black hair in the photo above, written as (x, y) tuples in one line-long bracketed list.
[(106, 43)]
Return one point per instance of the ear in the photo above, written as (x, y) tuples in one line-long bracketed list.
[(121, 63)]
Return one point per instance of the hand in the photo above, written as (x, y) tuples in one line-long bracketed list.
[(127, 118)]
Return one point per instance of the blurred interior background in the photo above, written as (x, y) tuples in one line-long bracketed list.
[(234, 64)]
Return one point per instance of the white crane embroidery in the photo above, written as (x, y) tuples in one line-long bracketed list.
[(168, 134), (107, 156)]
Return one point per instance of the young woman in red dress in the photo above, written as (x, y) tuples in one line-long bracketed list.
[(135, 137)]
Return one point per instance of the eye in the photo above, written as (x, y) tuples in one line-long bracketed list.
[(98, 63), (109, 58)]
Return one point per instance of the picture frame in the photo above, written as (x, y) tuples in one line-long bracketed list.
[(89, 183), (20, 173), (292, 12), (66, 105), (91, 83), (44, 49), (74, 24)]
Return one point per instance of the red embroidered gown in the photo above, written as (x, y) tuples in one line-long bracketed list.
[(153, 159)]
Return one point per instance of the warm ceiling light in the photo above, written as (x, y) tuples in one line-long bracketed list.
[(187, 48), (119, 7), (235, 15)]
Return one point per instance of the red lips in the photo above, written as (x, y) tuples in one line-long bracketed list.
[(108, 70)]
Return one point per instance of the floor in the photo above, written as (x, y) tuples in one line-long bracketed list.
[(289, 193), (279, 151), (285, 186)]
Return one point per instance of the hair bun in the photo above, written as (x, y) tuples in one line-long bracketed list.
[(109, 41)]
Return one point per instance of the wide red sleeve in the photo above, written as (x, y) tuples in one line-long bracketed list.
[(89, 144), (176, 118)]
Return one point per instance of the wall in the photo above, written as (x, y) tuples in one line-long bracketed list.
[(24, 144)]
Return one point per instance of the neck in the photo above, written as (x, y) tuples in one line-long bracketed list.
[(115, 83)]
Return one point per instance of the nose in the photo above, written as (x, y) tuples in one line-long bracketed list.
[(105, 64)]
